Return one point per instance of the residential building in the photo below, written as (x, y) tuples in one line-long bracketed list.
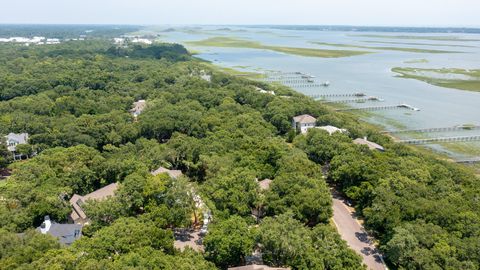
[(66, 233), (303, 122), (332, 129), (172, 173), (14, 139), (264, 184), (371, 145), (78, 214), (138, 107)]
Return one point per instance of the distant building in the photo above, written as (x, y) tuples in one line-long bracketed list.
[(265, 184), (138, 107), (78, 214), (332, 129), (66, 233), (13, 139), (263, 91), (371, 145), (172, 173), (256, 267), (304, 122)]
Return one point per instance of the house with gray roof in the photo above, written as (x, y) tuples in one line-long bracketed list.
[(65, 233), (303, 122), (78, 215), (14, 139)]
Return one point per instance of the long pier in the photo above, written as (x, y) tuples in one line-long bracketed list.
[(431, 130), (337, 95), (442, 139), (356, 100), (378, 108), (469, 161)]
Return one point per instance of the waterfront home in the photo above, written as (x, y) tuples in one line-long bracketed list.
[(303, 122), (14, 139), (65, 233), (332, 129), (78, 214), (172, 173), (371, 145)]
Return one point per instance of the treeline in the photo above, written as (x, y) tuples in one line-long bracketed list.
[(222, 134), (65, 31), (424, 211)]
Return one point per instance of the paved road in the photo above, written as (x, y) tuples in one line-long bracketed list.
[(352, 232)]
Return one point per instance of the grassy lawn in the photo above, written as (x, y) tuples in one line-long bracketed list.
[(240, 43), (438, 38), (472, 84), (415, 50)]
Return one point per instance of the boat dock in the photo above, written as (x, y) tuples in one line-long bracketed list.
[(431, 130), (378, 108), (317, 96), (442, 139), (357, 100)]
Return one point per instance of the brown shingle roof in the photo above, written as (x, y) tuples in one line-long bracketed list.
[(100, 194), (304, 118)]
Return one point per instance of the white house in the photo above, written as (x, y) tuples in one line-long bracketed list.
[(332, 129), (303, 122), (138, 107), (14, 139)]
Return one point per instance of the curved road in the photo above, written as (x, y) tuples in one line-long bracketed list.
[(352, 232)]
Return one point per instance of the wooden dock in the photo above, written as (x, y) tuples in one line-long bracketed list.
[(469, 161), (442, 139), (432, 130), (378, 108), (317, 96), (356, 100)]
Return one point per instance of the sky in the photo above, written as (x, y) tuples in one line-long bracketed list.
[(463, 13)]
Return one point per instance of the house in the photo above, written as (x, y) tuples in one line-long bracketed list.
[(78, 214), (264, 184), (263, 91), (371, 145), (66, 233), (256, 267), (172, 173), (138, 107), (14, 139), (303, 122), (332, 129)]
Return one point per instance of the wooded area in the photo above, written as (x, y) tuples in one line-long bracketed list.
[(74, 100)]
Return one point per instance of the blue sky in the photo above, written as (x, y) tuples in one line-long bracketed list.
[(336, 12)]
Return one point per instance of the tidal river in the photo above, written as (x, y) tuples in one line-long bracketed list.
[(368, 73)]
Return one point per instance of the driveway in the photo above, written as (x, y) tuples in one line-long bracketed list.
[(351, 231)]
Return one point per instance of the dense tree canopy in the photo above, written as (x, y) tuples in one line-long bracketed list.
[(225, 136)]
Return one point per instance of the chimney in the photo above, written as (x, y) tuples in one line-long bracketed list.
[(45, 227)]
